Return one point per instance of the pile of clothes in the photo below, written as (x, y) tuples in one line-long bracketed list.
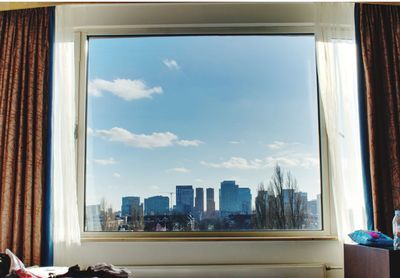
[(12, 267), (101, 270)]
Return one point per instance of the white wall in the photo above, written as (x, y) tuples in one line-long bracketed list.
[(238, 252), (103, 19)]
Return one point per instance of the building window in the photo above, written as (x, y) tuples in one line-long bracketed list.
[(202, 134)]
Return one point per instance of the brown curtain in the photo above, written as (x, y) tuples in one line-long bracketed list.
[(379, 33), (24, 74)]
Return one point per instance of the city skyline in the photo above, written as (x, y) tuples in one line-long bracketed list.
[(188, 213), (172, 197), (138, 200), (159, 116)]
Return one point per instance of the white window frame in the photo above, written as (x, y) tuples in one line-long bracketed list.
[(228, 28)]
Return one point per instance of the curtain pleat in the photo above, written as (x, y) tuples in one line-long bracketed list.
[(379, 44), (24, 76), (366, 175), (337, 80)]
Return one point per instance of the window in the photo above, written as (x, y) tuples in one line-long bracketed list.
[(202, 134)]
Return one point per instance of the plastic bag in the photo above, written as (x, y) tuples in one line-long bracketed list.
[(17, 267), (371, 238)]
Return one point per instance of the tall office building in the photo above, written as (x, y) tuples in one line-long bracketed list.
[(228, 198), (199, 200), (93, 218), (184, 199), (156, 205), (210, 201), (303, 198), (129, 203), (288, 196), (244, 198)]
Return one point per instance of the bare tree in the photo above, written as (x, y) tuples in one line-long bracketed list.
[(282, 206), (106, 215), (137, 217), (276, 187), (296, 213), (261, 203)]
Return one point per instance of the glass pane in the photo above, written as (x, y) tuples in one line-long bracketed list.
[(202, 133)]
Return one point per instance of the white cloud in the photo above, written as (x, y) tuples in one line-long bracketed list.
[(310, 162), (155, 187), (146, 141), (236, 163), (116, 175), (302, 160), (89, 131), (189, 143), (290, 161), (126, 89), (105, 162), (171, 64), (179, 170), (284, 161), (277, 145), (235, 142), (154, 140)]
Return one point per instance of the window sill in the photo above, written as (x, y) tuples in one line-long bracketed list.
[(112, 237)]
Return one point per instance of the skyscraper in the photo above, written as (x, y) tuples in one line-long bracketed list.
[(228, 198), (128, 203), (244, 198), (210, 201), (303, 198), (184, 199), (199, 200), (156, 205), (93, 218), (288, 197)]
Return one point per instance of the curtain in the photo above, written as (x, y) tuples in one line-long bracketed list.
[(337, 78), (25, 42), (379, 46), (66, 220)]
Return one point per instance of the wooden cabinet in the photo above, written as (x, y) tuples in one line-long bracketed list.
[(371, 262)]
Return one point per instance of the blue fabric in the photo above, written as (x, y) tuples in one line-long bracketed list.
[(371, 238), (363, 126), (47, 229)]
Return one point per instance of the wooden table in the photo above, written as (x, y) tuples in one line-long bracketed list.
[(371, 262)]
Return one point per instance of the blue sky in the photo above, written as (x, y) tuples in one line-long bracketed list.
[(197, 110)]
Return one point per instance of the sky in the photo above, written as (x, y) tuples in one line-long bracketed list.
[(197, 110)]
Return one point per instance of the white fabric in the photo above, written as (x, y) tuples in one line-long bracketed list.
[(66, 221), (337, 75)]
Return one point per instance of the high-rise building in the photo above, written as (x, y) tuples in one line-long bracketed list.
[(244, 198), (312, 207), (228, 198), (156, 205), (210, 201), (314, 212), (288, 196), (184, 199), (199, 200), (93, 218), (129, 203), (199, 204), (303, 198)]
